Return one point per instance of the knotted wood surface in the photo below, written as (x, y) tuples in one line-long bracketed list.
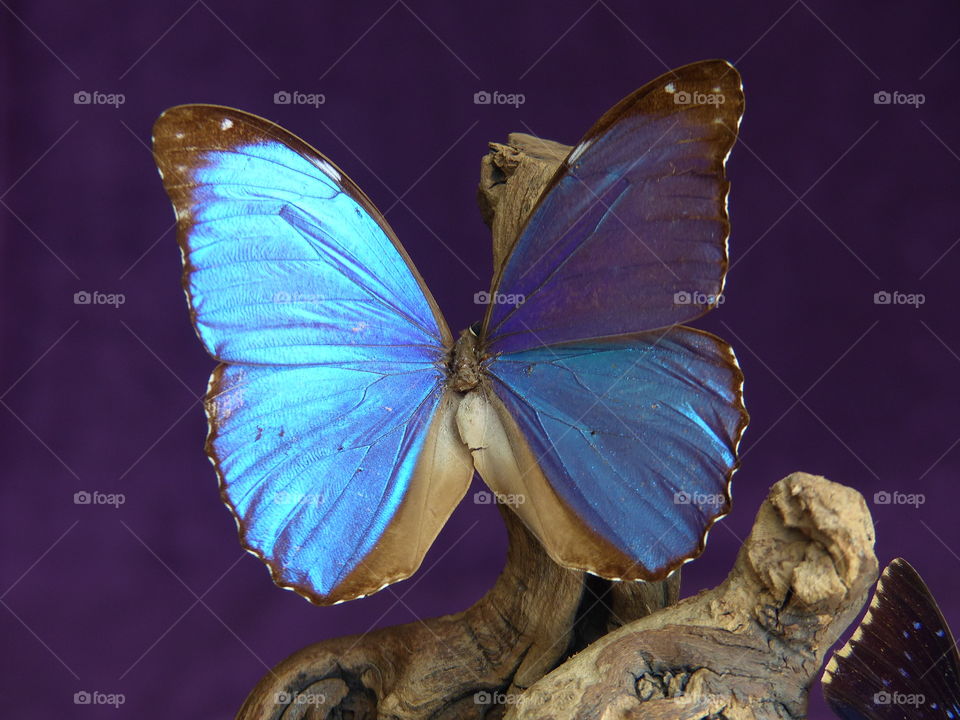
[(746, 650)]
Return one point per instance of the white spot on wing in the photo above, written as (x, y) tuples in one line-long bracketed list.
[(670, 87), (178, 136), (226, 124), (578, 151), (329, 170)]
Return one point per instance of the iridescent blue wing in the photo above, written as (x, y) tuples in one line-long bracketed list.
[(339, 480), (286, 261), (630, 234), (330, 425), (902, 661), (622, 449)]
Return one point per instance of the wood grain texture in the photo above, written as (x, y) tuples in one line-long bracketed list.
[(746, 650)]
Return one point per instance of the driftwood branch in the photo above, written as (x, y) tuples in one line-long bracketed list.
[(745, 650)]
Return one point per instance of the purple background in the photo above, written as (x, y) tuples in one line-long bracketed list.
[(834, 198)]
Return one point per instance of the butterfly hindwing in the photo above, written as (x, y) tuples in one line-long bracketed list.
[(637, 440), (338, 478), (630, 234), (902, 661), (330, 425)]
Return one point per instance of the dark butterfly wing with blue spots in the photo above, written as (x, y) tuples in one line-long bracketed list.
[(902, 661)]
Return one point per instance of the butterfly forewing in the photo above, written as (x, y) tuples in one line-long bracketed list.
[(285, 260), (630, 234)]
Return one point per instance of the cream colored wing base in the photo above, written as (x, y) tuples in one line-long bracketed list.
[(507, 464), (441, 478)]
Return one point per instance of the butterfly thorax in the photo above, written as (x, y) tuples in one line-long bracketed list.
[(466, 363)]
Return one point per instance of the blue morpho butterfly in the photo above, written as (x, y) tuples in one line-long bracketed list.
[(902, 662), (345, 420)]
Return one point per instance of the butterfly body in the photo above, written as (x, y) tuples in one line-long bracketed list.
[(466, 363), (582, 396)]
